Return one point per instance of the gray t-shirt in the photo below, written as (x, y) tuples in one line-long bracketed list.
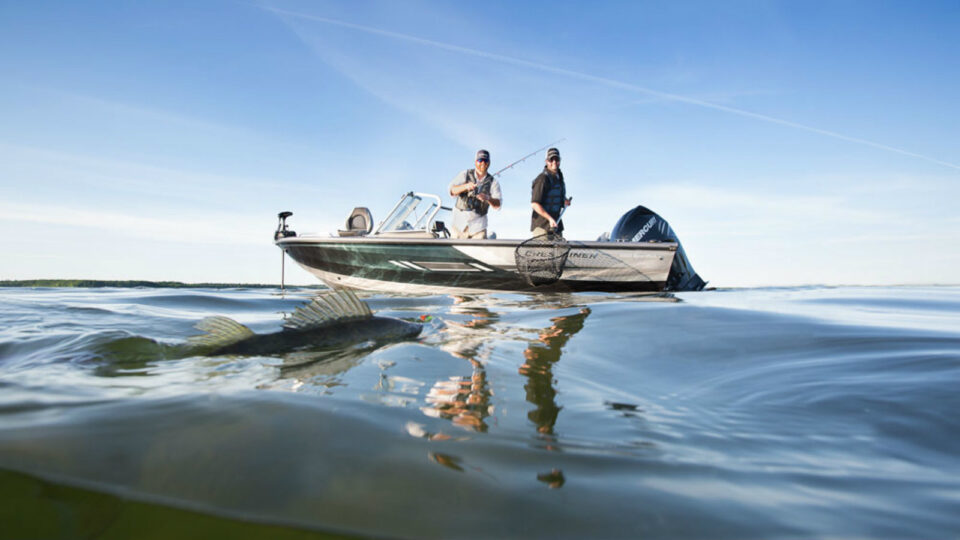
[(473, 221)]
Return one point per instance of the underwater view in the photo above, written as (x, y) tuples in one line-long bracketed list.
[(733, 413)]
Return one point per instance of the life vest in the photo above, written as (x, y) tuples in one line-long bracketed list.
[(554, 194), (478, 206)]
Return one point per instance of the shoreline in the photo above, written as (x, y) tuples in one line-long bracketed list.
[(132, 284)]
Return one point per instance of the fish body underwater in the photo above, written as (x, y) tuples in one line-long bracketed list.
[(334, 319)]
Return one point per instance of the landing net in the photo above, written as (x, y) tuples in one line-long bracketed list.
[(540, 260)]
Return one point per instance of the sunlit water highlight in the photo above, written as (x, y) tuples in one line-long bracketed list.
[(763, 413)]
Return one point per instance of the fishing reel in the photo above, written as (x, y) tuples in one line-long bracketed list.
[(282, 230), (474, 204)]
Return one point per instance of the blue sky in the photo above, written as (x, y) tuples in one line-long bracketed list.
[(786, 142)]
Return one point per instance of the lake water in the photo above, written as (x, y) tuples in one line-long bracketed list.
[(744, 413)]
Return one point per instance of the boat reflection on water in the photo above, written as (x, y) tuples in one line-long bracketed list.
[(479, 345), (464, 400), (540, 356)]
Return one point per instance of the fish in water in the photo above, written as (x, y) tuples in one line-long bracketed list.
[(333, 319)]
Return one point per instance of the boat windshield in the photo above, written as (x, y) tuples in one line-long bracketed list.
[(414, 212)]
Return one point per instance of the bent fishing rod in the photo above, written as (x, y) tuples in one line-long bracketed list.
[(524, 158), (521, 160)]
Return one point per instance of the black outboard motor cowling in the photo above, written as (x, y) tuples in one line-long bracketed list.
[(644, 225)]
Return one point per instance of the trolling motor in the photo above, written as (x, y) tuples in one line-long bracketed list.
[(282, 230)]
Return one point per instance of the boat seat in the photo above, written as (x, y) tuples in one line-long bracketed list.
[(359, 223)]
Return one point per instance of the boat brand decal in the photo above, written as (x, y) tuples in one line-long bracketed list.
[(646, 228), (584, 254)]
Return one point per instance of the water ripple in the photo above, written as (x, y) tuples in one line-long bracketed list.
[(756, 413)]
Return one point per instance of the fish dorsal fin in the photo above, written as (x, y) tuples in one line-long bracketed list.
[(328, 308), (219, 332)]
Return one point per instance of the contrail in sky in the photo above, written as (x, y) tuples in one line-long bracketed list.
[(613, 83)]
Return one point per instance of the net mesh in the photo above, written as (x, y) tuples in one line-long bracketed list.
[(540, 260)]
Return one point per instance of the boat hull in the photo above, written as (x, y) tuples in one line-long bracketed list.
[(438, 266)]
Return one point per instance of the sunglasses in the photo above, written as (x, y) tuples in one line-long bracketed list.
[(554, 159), (483, 160)]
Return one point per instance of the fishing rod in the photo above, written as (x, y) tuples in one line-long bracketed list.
[(524, 158), (476, 189)]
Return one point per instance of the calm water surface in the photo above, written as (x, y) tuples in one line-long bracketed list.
[(748, 413)]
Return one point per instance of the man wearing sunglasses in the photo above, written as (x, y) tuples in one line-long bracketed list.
[(476, 191), (549, 197)]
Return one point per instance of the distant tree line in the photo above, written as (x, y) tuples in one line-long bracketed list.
[(93, 283)]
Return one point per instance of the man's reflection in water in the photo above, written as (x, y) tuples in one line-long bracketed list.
[(540, 357), (464, 400)]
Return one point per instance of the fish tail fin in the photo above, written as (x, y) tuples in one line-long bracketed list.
[(328, 308), (219, 332)]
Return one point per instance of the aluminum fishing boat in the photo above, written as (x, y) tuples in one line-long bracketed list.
[(411, 252)]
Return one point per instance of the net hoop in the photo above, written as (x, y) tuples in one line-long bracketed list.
[(541, 259)]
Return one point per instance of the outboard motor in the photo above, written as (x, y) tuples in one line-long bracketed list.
[(644, 225)]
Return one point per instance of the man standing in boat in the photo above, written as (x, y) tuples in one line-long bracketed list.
[(476, 191), (549, 197)]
